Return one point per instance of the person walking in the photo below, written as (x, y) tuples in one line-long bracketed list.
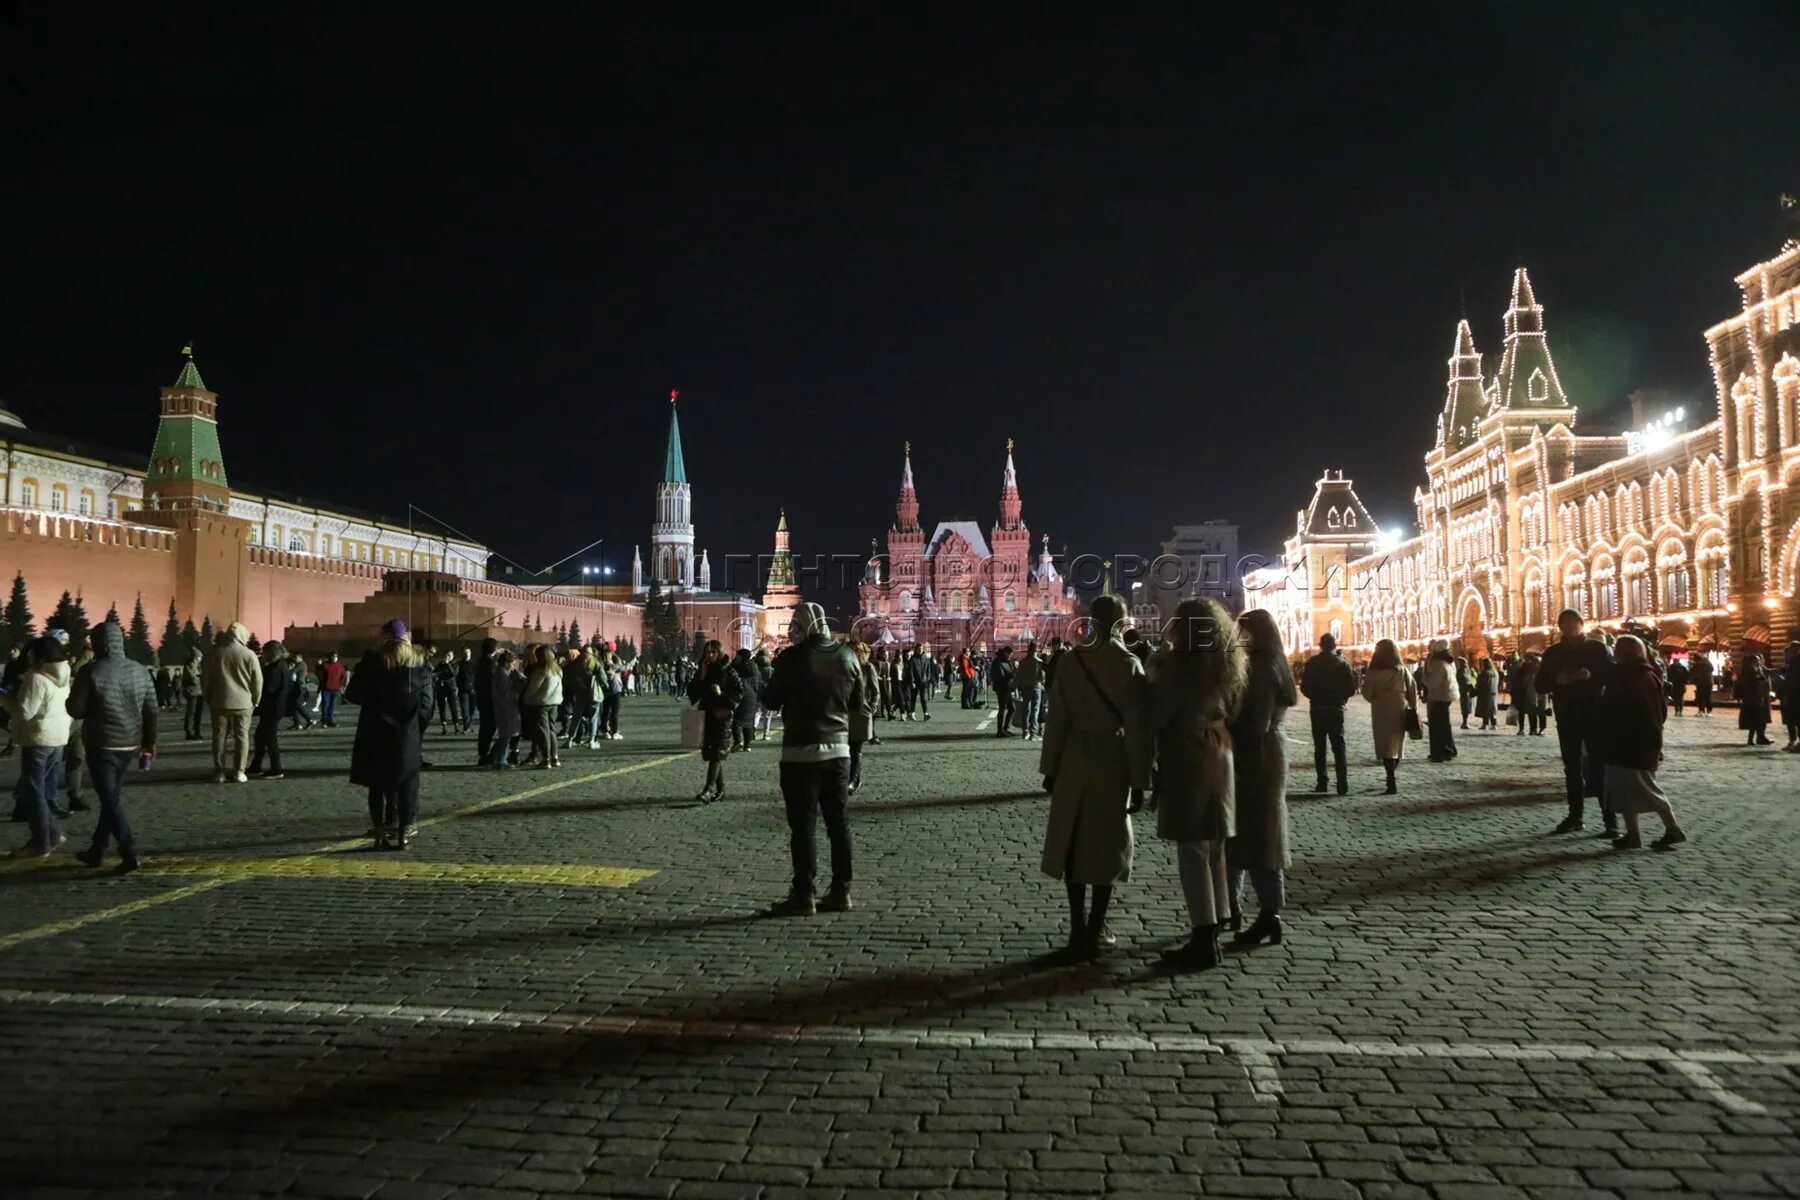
[(1751, 690), (1096, 766), (271, 710), (715, 689), (1001, 676), (1439, 675), (816, 684), (392, 688), (443, 691), (233, 685), (543, 696), (1487, 695), (1700, 670), (117, 707), (40, 723), (1328, 682), (465, 687), (921, 679), (765, 716), (1574, 675), (1630, 717), (1259, 848), (861, 719), (333, 676), (1393, 708), (743, 718), (1195, 685), (1029, 680)]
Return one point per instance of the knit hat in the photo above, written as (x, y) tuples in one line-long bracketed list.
[(394, 630), (58, 635)]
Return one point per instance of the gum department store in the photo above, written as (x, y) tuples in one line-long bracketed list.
[(1694, 533)]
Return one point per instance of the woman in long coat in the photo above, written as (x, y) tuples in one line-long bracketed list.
[(1487, 695), (1388, 687), (715, 689), (1096, 766), (1752, 691), (392, 687), (1632, 713), (508, 687), (1525, 695), (1260, 847), (1195, 684)]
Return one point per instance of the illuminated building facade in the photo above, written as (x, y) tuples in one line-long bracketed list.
[(1694, 532), (958, 588)]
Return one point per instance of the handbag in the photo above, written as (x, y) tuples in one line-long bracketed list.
[(1412, 725)]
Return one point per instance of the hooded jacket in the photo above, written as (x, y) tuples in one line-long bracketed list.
[(816, 685), (112, 697), (40, 706), (234, 679), (1439, 675)]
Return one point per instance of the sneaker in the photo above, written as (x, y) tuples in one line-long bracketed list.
[(796, 905), (273, 775), (1670, 838), (242, 778), (837, 900), (218, 777)]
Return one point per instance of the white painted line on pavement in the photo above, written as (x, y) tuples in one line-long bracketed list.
[(987, 722), (1258, 1056)]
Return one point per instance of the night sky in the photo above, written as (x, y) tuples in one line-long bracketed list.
[(460, 265)]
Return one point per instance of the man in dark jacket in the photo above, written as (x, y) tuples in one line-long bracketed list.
[(484, 699), (116, 704), (1678, 681), (1328, 682), (816, 685), (278, 686), (1001, 674), (919, 679), (1700, 670), (743, 721), (1573, 674)]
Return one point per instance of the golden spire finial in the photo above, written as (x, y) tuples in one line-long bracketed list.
[(1009, 445), (909, 449), (187, 351)]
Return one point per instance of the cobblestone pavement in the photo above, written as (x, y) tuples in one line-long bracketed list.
[(563, 987)]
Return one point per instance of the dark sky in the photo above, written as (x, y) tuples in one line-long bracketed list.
[(460, 263)]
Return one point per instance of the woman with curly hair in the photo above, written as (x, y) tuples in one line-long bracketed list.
[(1259, 847), (1196, 683)]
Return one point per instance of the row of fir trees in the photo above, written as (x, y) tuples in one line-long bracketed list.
[(18, 626)]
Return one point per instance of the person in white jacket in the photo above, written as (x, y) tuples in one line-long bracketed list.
[(543, 695), (1441, 692), (41, 730)]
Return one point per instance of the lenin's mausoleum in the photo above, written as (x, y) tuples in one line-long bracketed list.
[(1688, 528)]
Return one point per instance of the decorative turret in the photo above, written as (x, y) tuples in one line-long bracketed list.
[(780, 597), (907, 510), (672, 534), (1463, 401), (1526, 378), (1046, 570), (187, 468), (705, 573), (637, 569), (1010, 504)]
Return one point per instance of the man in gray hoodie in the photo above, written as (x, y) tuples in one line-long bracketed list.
[(115, 702), (233, 685), (816, 684)]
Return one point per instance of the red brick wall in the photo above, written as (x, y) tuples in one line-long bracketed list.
[(106, 562), (282, 588)]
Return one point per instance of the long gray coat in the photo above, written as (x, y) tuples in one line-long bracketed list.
[(1390, 693), (1261, 764), (1089, 836), (1194, 767)]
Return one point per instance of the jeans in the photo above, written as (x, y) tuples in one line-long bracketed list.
[(1581, 765), (1270, 884), (609, 713), (1034, 711), (190, 717), (1204, 883), (231, 729), (328, 708), (402, 802), (467, 702), (810, 790), (1328, 727), (40, 770), (1443, 742), (856, 749), (968, 693), (108, 768), (921, 695), (268, 741)]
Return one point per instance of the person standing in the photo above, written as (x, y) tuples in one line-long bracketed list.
[(743, 719), (1439, 678), (1259, 848), (613, 688), (74, 768), (965, 671), (861, 719), (1752, 692), (816, 684), (1029, 679), (1388, 687), (271, 709), (233, 686), (392, 688), (1465, 688), (193, 694), (1790, 696), (715, 689), (298, 716), (506, 686), (765, 716), (1700, 670), (1328, 682), (117, 708), (1678, 683), (443, 690), (1001, 675), (1631, 714), (332, 677), (465, 687), (40, 721), (543, 696), (1526, 699), (1487, 695), (1195, 685), (1096, 766), (921, 681), (1573, 674)]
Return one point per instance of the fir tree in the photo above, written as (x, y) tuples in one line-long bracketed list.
[(137, 636), (169, 651), (539, 627), (662, 626), (556, 634), (190, 637), (207, 634), (71, 618), (15, 621), (575, 635), (697, 649)]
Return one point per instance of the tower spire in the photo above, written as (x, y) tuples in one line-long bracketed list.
[(1463, 402), (1010, 504), (906, 511), (1526, 377), (674, 467)]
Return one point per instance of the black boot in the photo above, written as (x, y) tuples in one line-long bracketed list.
[(1267, 927), (1201, 952), (1393, 785)]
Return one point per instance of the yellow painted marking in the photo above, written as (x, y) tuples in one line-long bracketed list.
[(106, 914), (574, 876), (337, 866)]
